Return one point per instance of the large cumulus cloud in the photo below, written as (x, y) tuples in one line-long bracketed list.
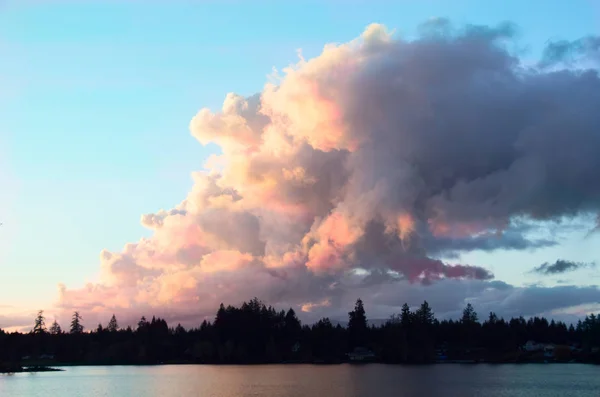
[(361, 169)]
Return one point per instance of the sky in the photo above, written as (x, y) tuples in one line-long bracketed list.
[(368, 172)]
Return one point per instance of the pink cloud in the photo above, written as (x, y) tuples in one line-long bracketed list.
[(376, 155)]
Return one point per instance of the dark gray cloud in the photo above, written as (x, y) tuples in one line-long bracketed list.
[(564, 51), (469, 136), (561, 266), (487, 241), (449, 297)]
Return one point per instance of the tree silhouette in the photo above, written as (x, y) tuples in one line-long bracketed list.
[(469, 315), (357, 324), (76, 326), (405, 315), (142, 324), (55, 328), (113, 326), (40, 323), (256, 333), (470, 326), (424, 315)]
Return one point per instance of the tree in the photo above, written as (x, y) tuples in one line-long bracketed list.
[(357, 324), (357, 318), (40, 323), (424, 315), (113, 326), (55, 328), (76, 327), (143, 324), (405, 315), (469, 315), (292, 324), (179, 330)]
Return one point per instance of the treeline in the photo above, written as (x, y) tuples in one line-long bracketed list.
[(256, 333)]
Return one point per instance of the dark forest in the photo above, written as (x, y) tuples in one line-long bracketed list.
[(255, 333)]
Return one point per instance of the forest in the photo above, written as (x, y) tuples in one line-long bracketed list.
[(255, 333)]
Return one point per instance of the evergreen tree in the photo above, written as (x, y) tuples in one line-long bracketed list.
[(55, 328), (405, 315), (113, 326), (424, 315), (143, 324), (292, 324), (357, 324), (469, 315), (40, 323), (76, 326), (179, 330), (357, 318)]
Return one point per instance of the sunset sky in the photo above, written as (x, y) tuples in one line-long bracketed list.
[(162, 157)]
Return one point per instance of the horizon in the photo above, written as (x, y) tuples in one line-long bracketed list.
[(371, 322), (156, 163)]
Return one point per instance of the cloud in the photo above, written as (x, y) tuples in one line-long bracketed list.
[(449, 297), (560, 266), (16, 321), (569, 52), (361, 169)]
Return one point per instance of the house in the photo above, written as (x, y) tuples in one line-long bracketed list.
[(40, 357), (549, 351), (361, 354), (296, 347), (532, 346), (441, 355)]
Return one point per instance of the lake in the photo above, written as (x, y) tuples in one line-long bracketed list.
[(373, 380)]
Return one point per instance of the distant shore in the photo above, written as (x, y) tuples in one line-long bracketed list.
[(59, 366), (19, 369)]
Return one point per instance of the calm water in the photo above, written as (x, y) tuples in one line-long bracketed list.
[(304, 381)]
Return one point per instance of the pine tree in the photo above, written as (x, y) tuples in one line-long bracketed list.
[(292, 323), (143, 324), (469, 315), (76, 327), (424, 314), (221, 318), (357, 318), (40, 323), (113, 326), (55, 328), (405, 315), (357, 324)]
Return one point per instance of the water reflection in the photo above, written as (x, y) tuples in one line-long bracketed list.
[(309, 381)]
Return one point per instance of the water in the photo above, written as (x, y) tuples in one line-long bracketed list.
[(308, 381)]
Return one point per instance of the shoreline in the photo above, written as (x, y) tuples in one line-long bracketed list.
[(21, 369), (57, 366)]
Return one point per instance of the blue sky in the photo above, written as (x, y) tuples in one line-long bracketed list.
[(96, 97)]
